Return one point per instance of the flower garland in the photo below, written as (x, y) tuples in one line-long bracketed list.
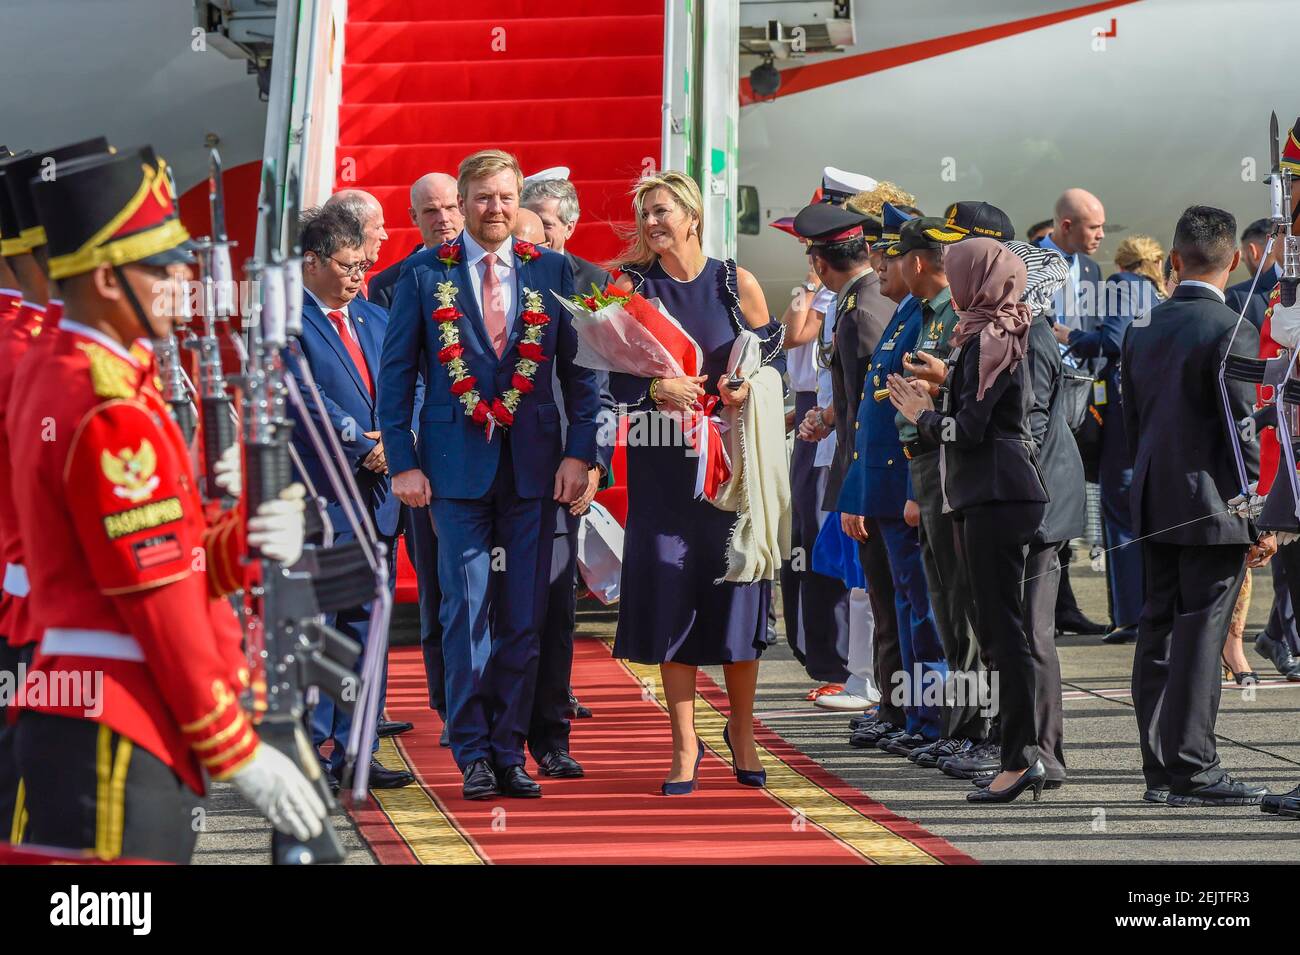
[(500, 412)]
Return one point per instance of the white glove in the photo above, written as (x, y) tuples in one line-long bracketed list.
[(1248, 506), (1285, 537), (226, 472), (277, 529), (1284, 326), (281, 793)]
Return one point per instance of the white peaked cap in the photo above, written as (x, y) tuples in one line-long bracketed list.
[(837, 180), (555, 172)]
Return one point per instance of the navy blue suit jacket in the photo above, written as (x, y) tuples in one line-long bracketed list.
[(879, 483), (453, 452), (350, 408), (1236, 296)]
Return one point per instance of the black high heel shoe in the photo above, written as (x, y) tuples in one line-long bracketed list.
[(1035, 778), (686, 786), (746, 777)]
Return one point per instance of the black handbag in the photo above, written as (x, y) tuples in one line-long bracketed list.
[(1076, 396)]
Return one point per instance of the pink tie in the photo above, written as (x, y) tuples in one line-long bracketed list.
[(494, 306)]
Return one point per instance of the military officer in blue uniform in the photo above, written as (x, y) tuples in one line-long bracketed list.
[(878, 486)]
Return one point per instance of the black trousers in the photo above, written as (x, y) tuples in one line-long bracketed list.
[(1286, 597), (1066, 603), (887, 656), (1190, 594), (548, 727), (89, 789), (816, 607), (11, 662), (1042, 573), (950, 596), (996, 539), (422, 548)]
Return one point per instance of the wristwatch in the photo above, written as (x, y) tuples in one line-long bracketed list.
[(809, 287)]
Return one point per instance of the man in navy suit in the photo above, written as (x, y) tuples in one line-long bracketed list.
[(490, 462), (1078, 226), (342, 339), (1253, 243)]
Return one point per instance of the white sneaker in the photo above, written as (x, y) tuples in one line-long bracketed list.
[(842, 701)]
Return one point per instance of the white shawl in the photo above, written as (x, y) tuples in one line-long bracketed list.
[(759, 487)]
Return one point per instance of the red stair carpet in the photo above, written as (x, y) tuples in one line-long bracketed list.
[(615, 815), (575, 83)]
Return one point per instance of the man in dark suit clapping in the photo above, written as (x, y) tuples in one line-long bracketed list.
[(1195, 552)]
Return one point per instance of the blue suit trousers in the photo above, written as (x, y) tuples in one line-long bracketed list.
[(918, 636), (494, 568)]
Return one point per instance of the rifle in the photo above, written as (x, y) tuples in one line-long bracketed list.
[(1281, 508), (290, 647), (215, 408), (178, 390)]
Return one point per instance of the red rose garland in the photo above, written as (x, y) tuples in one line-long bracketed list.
[(500, 412)]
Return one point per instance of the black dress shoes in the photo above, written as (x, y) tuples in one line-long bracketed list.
[(382, 778), (560, 765), (1158, 794), (1121, 635), (980, 761), (513, 781), (1074, 621), (904, 745), (1226, 792), (394, 727), (868, 736), (444, 738), (576, 710), (1287, 804), (480, 781), (928, 756), (1279, 654)]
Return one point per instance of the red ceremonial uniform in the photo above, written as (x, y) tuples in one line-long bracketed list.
[(1270, 452), (119, 558), (16, 336)]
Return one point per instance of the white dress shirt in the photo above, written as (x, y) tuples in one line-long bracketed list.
[(347, 315), (505, 272), (1213, 288)]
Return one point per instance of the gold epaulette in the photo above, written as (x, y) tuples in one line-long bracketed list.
[(110, 376)]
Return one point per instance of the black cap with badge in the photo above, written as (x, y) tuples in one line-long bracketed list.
[(925, 232), (973, 218), (825, 224)]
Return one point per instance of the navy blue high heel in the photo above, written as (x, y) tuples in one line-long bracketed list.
[(746, 777), (686, 787)]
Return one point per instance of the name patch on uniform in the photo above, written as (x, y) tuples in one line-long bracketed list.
[(156, 550), (143, 518)]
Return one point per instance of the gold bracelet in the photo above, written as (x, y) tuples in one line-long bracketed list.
[(654, 390)]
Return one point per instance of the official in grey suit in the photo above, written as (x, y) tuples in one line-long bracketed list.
[(1195, 552)]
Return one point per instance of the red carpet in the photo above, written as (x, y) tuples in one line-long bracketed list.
[(616, 814), (571, 83)]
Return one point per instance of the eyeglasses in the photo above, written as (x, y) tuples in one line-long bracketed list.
[(353, 271)]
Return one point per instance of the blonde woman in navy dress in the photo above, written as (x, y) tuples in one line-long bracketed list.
[(671, 611)]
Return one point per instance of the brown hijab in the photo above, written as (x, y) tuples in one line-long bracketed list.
[(988, 280)]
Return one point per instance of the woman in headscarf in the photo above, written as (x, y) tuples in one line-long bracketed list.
[(991, 481)]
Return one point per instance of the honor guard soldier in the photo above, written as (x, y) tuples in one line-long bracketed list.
[(131, 701), (22, 315)]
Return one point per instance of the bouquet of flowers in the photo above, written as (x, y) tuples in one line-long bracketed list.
[(622, 332)]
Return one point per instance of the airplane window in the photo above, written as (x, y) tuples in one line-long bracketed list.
[(747, 216)]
